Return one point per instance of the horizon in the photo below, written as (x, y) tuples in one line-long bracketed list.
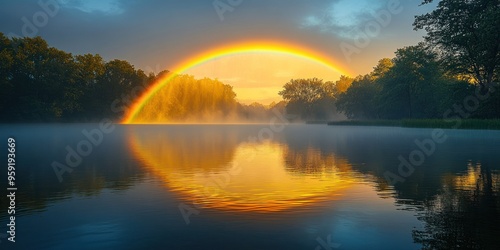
[(354, 38)]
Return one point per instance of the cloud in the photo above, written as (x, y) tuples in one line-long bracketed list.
[(343, 18), (108, 7)]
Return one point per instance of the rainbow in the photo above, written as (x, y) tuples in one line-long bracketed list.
[(227, 50)]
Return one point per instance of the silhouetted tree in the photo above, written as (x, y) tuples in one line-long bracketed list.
[(185, 98), (359, 101), (41, 83), (412, 87), (466, 35), (311, 99)]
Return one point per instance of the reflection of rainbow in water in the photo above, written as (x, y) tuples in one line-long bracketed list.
[(221, 173)]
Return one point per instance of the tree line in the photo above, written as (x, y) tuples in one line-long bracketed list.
[(40, 83), (43, 84), (453, 74), (187, 99)]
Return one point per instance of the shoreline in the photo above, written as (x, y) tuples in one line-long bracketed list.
[(479, 124)]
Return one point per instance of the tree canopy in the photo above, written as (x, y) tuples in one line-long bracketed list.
[(185, 98), (466, 35), (311, 99), (461, 51), (41, 84)]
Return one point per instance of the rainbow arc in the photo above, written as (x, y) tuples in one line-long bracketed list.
[(228, 50)]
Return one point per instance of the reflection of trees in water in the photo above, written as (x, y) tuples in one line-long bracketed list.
[(106, 168), (466, 214), (311, 161), (354, 151), (40, 186), (188, 148), (459, 210)]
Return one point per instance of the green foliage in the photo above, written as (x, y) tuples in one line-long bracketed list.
[(303, 90), (383, 66), (43, 84), (423, 81), (185, 98), (35, 79), (464, 124), (466, 35), (493, 124), (412, 87), (342, 85), (311, 99), (462, 50), (359, 101)]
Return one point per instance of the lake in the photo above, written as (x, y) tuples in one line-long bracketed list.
[(252, 187)]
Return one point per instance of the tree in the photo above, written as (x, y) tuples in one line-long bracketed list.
[(467, 37), (358, 102), (45, 84), (411, 88), (343, 84), (383, 66), (186, 99), (40, 80), (309, 98), (89, 69), (116, 82), (6, 63), (302, 90)]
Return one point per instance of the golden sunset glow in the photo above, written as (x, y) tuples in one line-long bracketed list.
[(256, 69), (259, 76), (473, 179), (216, 170)]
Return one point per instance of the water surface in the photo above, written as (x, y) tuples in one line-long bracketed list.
[(253, 187)]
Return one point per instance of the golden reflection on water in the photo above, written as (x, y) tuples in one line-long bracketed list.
[(476, 178), (218, 169)]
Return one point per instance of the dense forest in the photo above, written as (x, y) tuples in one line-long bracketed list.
[(40, 83), (187, 99), (453, 73), (43, 84), (413, 85)]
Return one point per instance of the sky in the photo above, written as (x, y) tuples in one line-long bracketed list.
[(155, 35)]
